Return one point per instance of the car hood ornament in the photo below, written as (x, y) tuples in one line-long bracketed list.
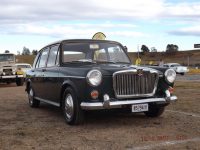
[(140, 72)]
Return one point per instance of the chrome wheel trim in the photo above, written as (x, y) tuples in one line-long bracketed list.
[(31, 96), (69, 106)]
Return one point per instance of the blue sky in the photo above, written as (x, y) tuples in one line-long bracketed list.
[(155, 23)]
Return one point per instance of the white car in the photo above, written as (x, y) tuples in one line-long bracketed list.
[(177, 67), (23, 67)]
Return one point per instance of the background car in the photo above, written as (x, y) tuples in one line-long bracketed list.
[(24, 67), (8, 70), (177, 67)]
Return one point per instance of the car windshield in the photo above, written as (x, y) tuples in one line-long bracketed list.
[(6, 57), (94, 52)]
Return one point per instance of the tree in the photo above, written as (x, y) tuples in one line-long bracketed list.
[(34, 52), (26, 51), (171, 48), (144, 48), (7, 51)]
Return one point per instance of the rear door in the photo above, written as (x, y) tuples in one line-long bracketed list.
[(40, 67)]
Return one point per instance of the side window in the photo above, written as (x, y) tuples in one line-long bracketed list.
[(43, 58), (52, 56)]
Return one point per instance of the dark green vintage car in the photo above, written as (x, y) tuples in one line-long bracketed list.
[(79, 75)]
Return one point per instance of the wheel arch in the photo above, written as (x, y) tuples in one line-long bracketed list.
[(67, 84), (28, 84)]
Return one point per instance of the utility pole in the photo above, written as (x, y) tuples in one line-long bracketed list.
[(138, 47)]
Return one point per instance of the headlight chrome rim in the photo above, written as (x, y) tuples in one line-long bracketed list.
[(170, 75), (91, 81)]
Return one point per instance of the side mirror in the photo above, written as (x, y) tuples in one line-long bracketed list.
[(126, 49)]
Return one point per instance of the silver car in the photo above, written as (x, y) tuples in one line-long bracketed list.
[(177, 67)]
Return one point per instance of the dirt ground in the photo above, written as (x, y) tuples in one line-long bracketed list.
[(24, 128)]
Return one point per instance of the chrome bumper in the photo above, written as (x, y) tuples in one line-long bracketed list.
[(11, 77), (118, 104)]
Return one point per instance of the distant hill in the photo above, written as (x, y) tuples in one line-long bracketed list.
[(191, 57), (25, 59)]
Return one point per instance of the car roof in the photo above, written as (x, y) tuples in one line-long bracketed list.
[(79, 40)]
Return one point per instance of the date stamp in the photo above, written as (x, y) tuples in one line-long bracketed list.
[(162, 138)]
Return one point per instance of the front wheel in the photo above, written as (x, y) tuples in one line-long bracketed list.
[(155, 111), (71, 109)]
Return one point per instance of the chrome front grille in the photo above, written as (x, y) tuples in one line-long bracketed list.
[(129, 84)]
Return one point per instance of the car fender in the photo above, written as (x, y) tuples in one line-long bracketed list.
[(28, 83), (65, 84)]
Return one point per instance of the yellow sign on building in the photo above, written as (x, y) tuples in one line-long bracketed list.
[(99, 36), (138, 61)]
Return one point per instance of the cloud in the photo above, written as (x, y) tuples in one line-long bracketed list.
[(184, 10), (131, 34), (80, 30), (22, 11), (34, 10), (35, 17), (189, 31)]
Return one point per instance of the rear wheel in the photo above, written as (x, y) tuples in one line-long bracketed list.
[(71, 109), (32, 101), (155, 111)]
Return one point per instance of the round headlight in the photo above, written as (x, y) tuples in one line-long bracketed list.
[(94, 77), (170, 75)]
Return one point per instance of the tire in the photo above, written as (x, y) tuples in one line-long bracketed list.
[(182, 74), (155, 111), (34, 103), (72, 112), (20, 81)]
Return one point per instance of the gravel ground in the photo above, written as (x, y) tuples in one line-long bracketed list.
[(188, 77), (22, 127)]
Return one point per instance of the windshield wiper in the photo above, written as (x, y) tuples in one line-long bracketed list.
[(106, 62), (81, 61), (122, 62)]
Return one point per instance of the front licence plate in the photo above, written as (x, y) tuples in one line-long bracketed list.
[(140, 107)]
